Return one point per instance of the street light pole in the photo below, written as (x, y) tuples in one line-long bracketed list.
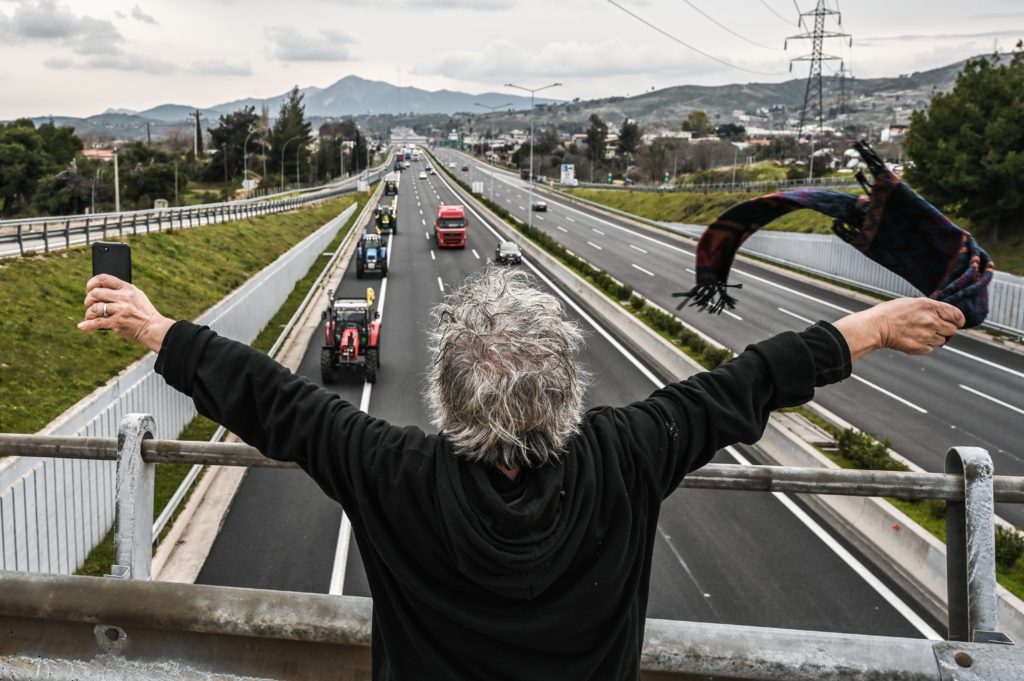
[(811, 163), (533, 93), (283, 147), (117, 185), (245, 157), (492, 110), (735, 157), (298, 180)]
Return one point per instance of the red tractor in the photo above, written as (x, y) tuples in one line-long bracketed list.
[(352, 337)]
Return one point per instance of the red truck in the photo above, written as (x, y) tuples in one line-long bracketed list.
[(450, 227)]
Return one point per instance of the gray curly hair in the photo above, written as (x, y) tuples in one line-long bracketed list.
[(504, 384)]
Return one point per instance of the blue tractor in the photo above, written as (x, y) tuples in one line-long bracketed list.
[(372, 255)]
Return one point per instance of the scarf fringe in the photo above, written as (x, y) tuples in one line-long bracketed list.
[(711, 298)]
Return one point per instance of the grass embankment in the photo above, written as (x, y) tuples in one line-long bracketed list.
[(168, 475), (855, 449), (702, 209)]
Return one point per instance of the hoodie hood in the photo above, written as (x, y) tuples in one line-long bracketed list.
[(513, 538)]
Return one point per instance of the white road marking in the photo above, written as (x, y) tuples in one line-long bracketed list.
[(540, 217), (521, 208), (427, 234), (440, 284), (597, 230), (733, 315), (805, 320), (637, 248), (562, 228), (890, 394), (424, 221), (637, 267), (340, 566), (569, 219), (992, 399), (475, 254), (595, 245), (807, 521), (851, 561), (432, 255), (985, 361)]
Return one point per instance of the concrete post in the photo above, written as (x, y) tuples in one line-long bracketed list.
[(133, 519)]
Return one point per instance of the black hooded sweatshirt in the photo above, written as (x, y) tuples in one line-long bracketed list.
[(479, 578)]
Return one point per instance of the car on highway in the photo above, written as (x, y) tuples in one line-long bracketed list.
[(431, 171), (423, 174), (451, 164), (465, 169), (508, 253), (539, 207)]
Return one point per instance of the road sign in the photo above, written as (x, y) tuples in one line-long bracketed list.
[(568, 174)]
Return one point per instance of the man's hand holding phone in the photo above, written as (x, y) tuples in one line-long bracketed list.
[(111, 303)]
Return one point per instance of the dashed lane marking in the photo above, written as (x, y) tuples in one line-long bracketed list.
[(637, 267), (595, 245), (637, 248)]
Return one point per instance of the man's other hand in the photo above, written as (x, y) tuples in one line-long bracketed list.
[(915, 326), (111, 303)]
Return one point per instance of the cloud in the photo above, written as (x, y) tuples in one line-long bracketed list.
[(49, 21), (116, 62), (219, 67), (502, 59), (939, 36), (137, 13), (291, 44)]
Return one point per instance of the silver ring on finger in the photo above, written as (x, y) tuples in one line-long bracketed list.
[(105, 315)]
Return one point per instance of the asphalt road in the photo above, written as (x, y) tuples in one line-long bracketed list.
[(970, 393), (740, 558)]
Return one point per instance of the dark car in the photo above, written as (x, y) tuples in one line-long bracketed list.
[(508, 253), (539, 207), (465, 169)]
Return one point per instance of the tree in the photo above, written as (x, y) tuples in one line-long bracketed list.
[(630, 136), (698, 123), (227, 141), (732, 132), (290, 135), (60, 144), (968, 147), (597, 134), (23, 162), (146, 174)]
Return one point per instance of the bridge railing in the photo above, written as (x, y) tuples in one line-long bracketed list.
[(32, 235), (88, 628)]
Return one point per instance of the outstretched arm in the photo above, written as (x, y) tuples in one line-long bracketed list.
[(283, 415), (680, 427)]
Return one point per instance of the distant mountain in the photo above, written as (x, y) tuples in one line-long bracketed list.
[(873, 101)]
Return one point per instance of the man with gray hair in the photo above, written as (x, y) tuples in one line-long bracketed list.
[(516, 543)]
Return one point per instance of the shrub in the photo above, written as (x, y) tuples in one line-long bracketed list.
[(1009, 546), (867, 452)]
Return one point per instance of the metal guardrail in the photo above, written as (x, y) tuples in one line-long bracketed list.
[(826, 256), (21, 237), (705, 187), (107, 626)]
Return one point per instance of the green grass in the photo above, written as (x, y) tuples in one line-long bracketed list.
[(696, 207), (46, 364)]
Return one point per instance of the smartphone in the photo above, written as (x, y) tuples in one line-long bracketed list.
[(112, 257)]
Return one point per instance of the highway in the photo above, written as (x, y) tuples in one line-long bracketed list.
[(738, 558), (969, 393)]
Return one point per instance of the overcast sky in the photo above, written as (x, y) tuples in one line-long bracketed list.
[(80, 57)]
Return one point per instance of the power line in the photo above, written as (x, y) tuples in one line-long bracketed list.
[(718, 23), (773, 11), (688, 46)]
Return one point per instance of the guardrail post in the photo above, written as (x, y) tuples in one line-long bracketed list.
[(46, 239), (88, 221), (971, 548), (67, 233), (120, 222), (133, 520), (104, 227), (21, 244)]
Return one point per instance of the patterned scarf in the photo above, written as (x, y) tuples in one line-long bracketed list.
[(892, 225)]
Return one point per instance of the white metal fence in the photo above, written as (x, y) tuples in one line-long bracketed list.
[(830, 257), (54, 511)]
